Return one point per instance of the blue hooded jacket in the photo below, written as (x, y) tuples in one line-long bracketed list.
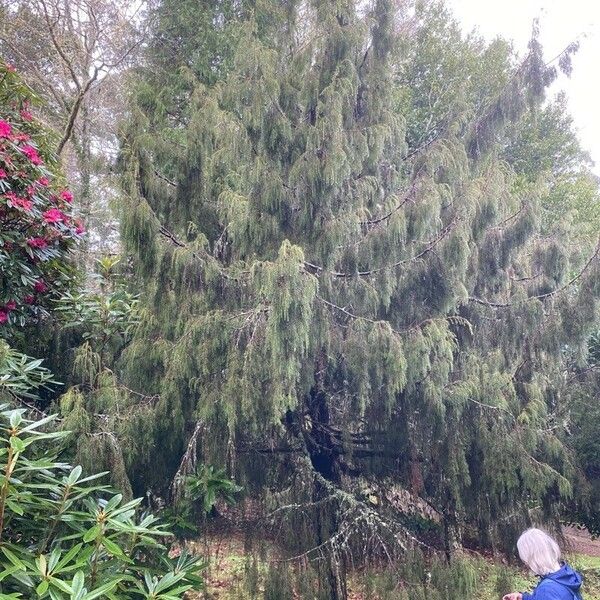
[(564, 584)]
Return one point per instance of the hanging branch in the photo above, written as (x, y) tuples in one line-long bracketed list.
[(426, 144), (187, 465), (574, 279), (347, 312), (510, 218), (316, 269), (165, 179), (162, 230), (527, 278), (171, 236), (550, 294), (406, 197), (461, 321), (484, 302)]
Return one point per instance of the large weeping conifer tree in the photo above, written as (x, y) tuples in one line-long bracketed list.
[(348, 300)]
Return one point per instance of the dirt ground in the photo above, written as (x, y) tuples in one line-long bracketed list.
[(579, 541)]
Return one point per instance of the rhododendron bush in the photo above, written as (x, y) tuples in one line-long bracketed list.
[(38, 227)]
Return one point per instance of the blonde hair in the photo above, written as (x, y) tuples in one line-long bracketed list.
[(539, 551)]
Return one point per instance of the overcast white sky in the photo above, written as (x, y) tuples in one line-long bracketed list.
[(561, 21)]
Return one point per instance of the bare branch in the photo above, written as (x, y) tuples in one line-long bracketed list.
[(56, 43), (75, 112)]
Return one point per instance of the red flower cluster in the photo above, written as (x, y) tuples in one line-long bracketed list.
[(53, 215), (32, 154), (37, 242), (7, 308), (5, 129), (40, 287), (67, 196), (18, 202), (21, 137)]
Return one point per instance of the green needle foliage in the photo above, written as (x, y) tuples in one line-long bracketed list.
[(66, 536)]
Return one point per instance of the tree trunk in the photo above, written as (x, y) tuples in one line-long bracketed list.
[(84, 166)]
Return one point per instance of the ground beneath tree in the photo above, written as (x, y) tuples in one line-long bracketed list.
[(579, 541), (227, 566)]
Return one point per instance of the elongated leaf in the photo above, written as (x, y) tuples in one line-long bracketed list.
[(92, 533), (107, 587), (42, 588)]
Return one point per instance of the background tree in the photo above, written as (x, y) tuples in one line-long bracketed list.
[(87, 46), (546, 154)]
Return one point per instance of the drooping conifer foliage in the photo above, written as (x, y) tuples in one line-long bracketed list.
[(349, 300)]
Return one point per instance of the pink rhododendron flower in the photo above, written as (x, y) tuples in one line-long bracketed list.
[(66, 195), (53, 215), (3, 316), (30, 190), (40, 287), (26, 115), (11, 305), (3, 174), (37, 242), (43, 181), (79, 229), (21, 137), (11, 68), (17, 201), (23, 203), (5, 129), (32, 154), (29, 299)]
